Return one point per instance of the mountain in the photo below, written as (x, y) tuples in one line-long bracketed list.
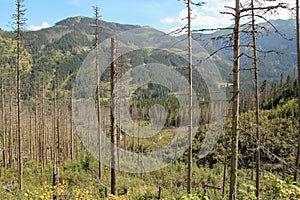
[(55, 51), (59, 51), (276, 49)]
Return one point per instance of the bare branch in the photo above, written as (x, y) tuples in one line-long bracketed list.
[(212, 29), (268, 8)]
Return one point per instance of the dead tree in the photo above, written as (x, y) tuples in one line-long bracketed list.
[(113, 120), (189, 4), (298, 65), (190, 134), (71, 129), (235, 105), (253, 32), (96, 11), (3, 125), (255, 64), (55, 131), (20, 22)]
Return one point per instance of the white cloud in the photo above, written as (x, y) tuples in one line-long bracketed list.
[(281, 13), (208, 16), (205, 20), (36, 28), (168, 20)]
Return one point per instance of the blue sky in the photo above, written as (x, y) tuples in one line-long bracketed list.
[(142, 12), (161, 14)]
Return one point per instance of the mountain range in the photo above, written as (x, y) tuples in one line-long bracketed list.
[(61, 49)]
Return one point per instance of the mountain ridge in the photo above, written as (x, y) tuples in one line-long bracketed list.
[(64, 46)]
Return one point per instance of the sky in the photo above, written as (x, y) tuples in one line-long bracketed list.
[(161, 14)]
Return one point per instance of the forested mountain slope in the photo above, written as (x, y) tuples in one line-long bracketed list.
[(63, 47), (276, 49)]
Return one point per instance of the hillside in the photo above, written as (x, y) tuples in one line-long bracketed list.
[(63, 47), (276, 49), (64, 155), (79, 177)]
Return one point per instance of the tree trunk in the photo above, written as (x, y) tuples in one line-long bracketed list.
[(5, 146), (255, 63), (37, 153), (58, 130), (54, 129), (19, 133), (30, 134), (96, 9), (71, 131), (298, 64), (235, 106), (11, 138), (43, 127), (190, 134), (224, 176), (113, 121)]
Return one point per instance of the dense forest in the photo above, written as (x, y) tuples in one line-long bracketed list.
[(48, 152)]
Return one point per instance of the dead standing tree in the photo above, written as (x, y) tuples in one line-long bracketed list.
[(298, 65), (190, 150), (254, 12), (113, 120), (235, 104), (20, 22), (240, 11), (96, 11), (189, 5)]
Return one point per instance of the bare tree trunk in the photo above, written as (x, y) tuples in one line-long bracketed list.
[(11, 138), (255, 63), (298, 63), (54, 129), (43, 127), (19, 133), (30, 134), (55, 175), (120, 127), (55, 135), (96, 10), (66, 136), (41, 156), (36, 125), (224, 176), (5, 146), (58, 131), (71, 131), (117, 113), (236, 106), (190, 134), (113, 121)]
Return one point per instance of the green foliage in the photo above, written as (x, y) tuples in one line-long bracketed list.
[(72, 42), (278, 189), (194, 197), (46, 192), (148, 195), (60, 191), (247, 191), (86, 162)]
